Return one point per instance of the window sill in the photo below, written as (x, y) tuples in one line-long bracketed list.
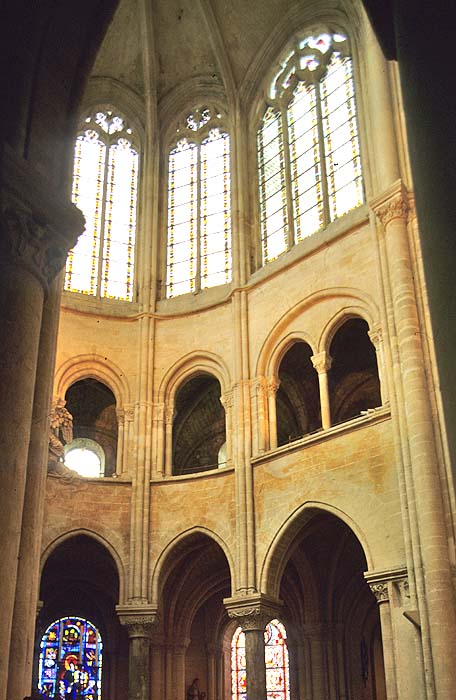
[(85, 303)]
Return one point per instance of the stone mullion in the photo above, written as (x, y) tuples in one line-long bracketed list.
[(23, 626), (322, 363), (240, 243), (436, 603)]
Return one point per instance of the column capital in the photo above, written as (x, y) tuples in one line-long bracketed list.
[(158, 412), (140, 620), (226, 400), (380, 582), (392, 204), (322, 361), (37, 226), (252, 612), (375, 336), (272, 385)]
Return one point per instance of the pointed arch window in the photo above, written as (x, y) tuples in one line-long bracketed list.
[(199, 205), (105, 188), (309, 163), (276, 662), (70, 660)]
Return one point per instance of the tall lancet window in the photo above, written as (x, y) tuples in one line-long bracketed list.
[(309, 162), (105, 188), (199, 205)]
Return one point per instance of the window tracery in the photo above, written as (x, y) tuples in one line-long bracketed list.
[(199, 205), (309, 160), (105, 188)]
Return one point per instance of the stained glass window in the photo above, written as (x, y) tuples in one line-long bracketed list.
[(276, 662), (70, 660), (199, 206), (238, 667), (309, 163), (105, 188)]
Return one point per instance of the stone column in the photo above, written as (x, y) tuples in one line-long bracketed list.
[(36, 231), (260, 402), (211, 650), (120, 413), (23, 626), (253, 613), (436, 596), (381, 593), (376, 338), (169, 415), (140, 622), (315, 636), (227, 402), (322, 363), (158, 428), (157, 668), (272, 387)]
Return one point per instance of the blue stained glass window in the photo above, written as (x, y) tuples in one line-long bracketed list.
[(70, 661)]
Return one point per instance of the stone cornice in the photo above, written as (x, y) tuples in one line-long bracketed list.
[(37, 225)]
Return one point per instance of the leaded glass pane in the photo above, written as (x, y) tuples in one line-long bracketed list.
[(215, 221), (238, 666), (277, 663), (308, 210), (120, 222), (273, 197), (342, 154), (182, 219), (70, 660), (88, 191)]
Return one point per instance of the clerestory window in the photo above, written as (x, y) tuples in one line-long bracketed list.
[(309, 160), (199, 205), (105, 188)]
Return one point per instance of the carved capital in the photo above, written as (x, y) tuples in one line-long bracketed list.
[(252, 612), (120, 413), (140, 620), (129, 412), (227, 400), (379, 582), (272, 385), (380, 591), (375, 336), (322, 362), (158, 412), (169, 415), (30, 241), (393, 204)]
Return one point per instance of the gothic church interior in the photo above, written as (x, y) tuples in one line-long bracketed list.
[(224, 399)]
